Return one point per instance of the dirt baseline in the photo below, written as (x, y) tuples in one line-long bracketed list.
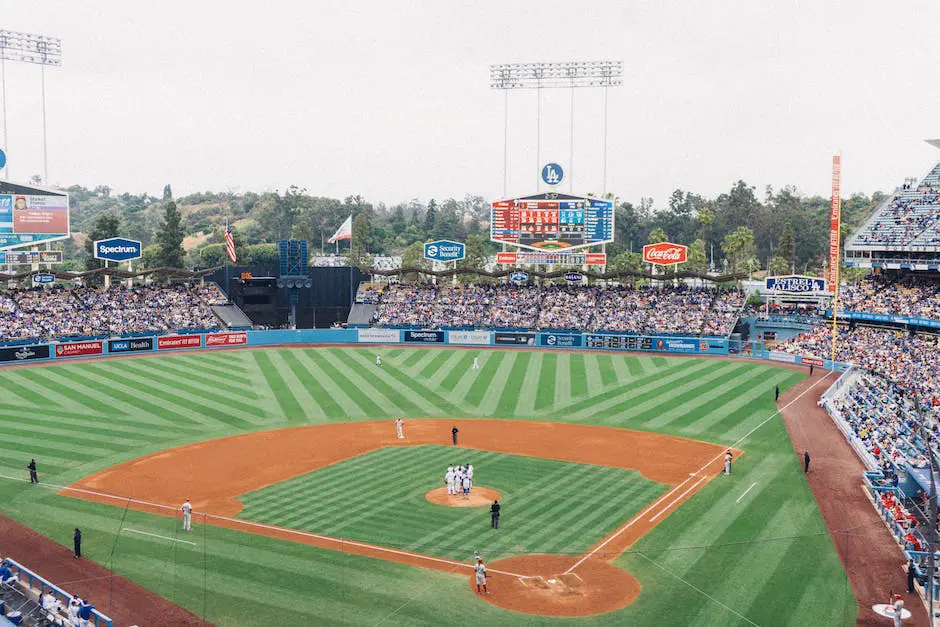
[(214, 473)]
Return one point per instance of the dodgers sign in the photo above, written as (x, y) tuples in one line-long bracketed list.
[(444, 250), (43, 278), (518, 276), (552, 174), (117, 249)]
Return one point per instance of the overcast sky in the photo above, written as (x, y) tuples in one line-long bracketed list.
[(391, 99)]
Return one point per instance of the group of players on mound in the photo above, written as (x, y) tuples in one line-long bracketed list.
[(459, 479)]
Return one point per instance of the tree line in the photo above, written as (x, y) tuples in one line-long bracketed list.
[(780, 230)]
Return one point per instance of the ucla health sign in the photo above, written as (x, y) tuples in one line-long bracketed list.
[(117, 249), (795, 283), (444, 250)]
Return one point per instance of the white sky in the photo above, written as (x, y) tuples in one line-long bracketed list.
[(391, 99)]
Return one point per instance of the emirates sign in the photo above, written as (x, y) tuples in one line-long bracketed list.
[(665, 253)]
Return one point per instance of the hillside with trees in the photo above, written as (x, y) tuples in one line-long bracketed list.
[(780, 230)]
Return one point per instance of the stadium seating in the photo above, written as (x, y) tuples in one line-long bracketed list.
[(665, 310), (912, 296), (909, 218), (90, 312)]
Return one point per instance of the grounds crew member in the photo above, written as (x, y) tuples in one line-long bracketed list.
[(494, 515)]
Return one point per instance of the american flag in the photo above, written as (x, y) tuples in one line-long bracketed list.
[(230, 244)]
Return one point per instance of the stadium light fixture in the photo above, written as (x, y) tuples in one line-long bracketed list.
[(28, 48), (554, 75)]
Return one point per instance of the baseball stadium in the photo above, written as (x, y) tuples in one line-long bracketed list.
[(544, 406)]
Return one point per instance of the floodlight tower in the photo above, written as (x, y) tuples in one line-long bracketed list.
[(28, 48), (563, 75)]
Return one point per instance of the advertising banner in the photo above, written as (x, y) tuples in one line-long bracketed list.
[(226, 339), (812, 361), (677, 345), (130, 345), (795, 284), (551, 259), (28, 257), (619, 342), (30, 215), (117, 249), (78, 349), (665, 253), (835, 220), (24, 353), (784, 357), (179, 341), (444, 250), (379, 336), (559, 340), (431, 337), (480, 338), (514, 338)]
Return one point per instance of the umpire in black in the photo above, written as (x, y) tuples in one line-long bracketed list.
[(494, 515), (33, 477)]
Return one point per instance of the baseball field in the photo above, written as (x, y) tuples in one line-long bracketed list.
[(319, 515)]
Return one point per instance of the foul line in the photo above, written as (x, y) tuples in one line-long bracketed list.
[(677, 499), (154, 535), (745, 492), (679, 486), (284, 530)]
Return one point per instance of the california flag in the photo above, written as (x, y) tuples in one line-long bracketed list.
[(343, 232)]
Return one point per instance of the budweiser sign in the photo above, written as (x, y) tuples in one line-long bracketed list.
[(665, 253), (226, 339)]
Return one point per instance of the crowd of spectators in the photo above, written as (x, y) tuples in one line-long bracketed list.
[(669, 310), (912, 296), (118, 310), (910, 216)]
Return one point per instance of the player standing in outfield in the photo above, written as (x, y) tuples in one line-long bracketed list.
[(400, 428), (728, 463), (480, 569), (378, 359), (187, 510), (476, 363)]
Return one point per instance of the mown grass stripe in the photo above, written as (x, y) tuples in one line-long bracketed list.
[(462, 367), (201, 376), (579, 383), (415, 356), (664, 413), (227, 361), (509, 398), (633, 366), (383, 387), (111, 443), (217, 371), (141, 432), (290, 408), (481, 384), (435, 364), (545, 390), (315, 386), (38, 375), (26, 392), (444, 406), (356, 393), (605, 365)]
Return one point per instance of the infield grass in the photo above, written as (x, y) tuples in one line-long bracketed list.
[(719, 559)]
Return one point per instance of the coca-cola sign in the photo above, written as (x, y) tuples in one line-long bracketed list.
[(665, 253)]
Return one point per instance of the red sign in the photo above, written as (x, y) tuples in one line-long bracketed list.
[(665, 253), (76, 349), (813, 361), (595, 259), (179, 341), (835, 219), (226, 339), (507, 258)]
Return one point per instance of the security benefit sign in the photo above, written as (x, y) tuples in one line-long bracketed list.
[(444, 250), (117, 249), (795, 283), (559, 340)]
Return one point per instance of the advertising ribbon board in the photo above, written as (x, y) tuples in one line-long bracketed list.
[(130, 345), (526, 339), (379, 336), (78, 349), (226, 339), (179, 341), (480, 338), (24, 353), (427, 337), (559, 340)]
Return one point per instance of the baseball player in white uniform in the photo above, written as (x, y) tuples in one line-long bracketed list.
[(728, 463), (480, 577), (450, 479), (476, 363), (187, 509), (400, 428), (73, 610), (378, 359), (466, 485)]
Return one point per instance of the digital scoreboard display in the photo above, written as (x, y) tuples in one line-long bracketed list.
[(552, 221), (619, 342)]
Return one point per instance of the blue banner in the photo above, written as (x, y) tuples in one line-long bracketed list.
[(130, 345), (559, 340), (430, 337)]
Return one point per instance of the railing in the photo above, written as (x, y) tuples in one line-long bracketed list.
[(31, 579)]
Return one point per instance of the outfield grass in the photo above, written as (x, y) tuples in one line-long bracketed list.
[(548, 506), (718, 560)]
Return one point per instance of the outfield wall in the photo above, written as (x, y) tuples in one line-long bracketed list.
[(93, 348)]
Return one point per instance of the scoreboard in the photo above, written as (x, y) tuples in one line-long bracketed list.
[(552, 221), (620, 342)]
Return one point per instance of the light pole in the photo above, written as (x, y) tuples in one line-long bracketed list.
[(28, 48), (563, 75)]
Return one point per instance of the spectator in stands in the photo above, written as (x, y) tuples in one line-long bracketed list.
[(7, 578), (84, 613)]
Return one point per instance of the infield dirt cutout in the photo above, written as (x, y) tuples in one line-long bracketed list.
[(213, 473), (479, 497)]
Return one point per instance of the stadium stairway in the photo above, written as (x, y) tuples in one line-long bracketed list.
[(231, 316), (361, 314)]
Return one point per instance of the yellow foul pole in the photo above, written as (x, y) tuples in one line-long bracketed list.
[(835, 224)]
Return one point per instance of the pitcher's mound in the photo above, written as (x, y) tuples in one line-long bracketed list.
[(595, 587), (478, 498)]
